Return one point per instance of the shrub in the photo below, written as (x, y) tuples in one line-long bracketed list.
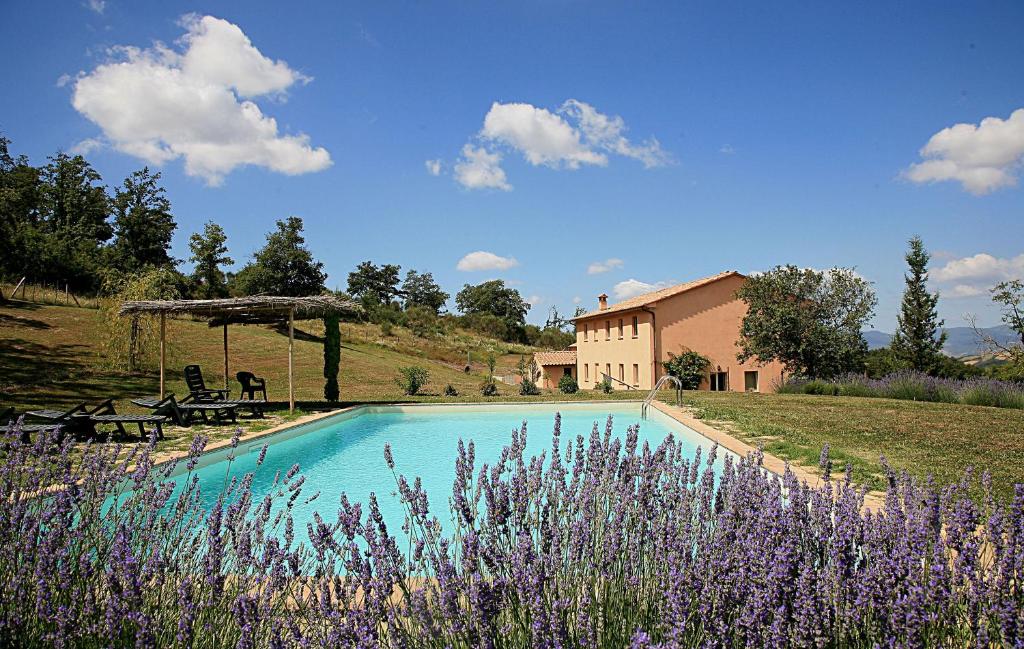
[(422, 321), (821, 387), (450, 391), (528, 388), (489, 388), (856, 389), (616, 545), (689, 367), (412, 378), (993, 393), (792, 385), (909, 386), (568, 385), (128, 340), (605, 385), (385, 328)]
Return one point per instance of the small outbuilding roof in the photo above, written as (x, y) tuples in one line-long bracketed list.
[(254, 309), (656, 296), (564, 357)]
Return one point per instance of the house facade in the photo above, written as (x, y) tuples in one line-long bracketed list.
[(630, 340)]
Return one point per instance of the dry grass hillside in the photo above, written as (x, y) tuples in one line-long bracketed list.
[(52, 355)]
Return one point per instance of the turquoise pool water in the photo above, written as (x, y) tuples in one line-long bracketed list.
[(346, 453)]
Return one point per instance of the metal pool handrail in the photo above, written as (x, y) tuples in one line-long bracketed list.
[(668, 378)]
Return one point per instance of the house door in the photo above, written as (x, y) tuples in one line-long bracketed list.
[(719, 381)]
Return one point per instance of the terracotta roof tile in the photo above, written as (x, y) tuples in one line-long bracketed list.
[(655, 296), (564, 357)]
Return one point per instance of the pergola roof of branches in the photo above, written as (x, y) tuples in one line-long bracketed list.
[(255, 309)]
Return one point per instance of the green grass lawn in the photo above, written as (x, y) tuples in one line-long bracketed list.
[(924, 438)]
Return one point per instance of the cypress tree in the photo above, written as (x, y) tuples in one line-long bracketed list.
[(332, 356), (919, 338)]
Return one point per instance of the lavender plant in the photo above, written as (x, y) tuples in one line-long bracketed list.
[(597, 541), (915, 386)]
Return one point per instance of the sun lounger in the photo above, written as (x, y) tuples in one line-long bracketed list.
[(184, 412), (197, 386), (119, 421), (8, 422), (75, 420)]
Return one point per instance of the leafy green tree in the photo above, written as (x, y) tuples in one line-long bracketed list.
[(689, 367), (74, 203), (553, 338), (284, 266), (68, 246), (209, 253), (420, 290), (882, 362), (1009, 296), (496, 299), (808, 320), (332, 356), (143, 223), (20, 214), (374, 284), (919, 337)]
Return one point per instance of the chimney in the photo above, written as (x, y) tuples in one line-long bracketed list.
[(602, 301)]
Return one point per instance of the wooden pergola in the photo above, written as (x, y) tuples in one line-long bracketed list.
[(256, 309)]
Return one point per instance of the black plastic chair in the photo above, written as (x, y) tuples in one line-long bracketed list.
[(251, 384), (197, 386)]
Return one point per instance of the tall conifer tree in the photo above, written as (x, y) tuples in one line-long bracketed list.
[(919, 337)]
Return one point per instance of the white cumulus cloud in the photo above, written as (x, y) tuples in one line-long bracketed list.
[(982, 158), (974, 275), (981, 266), (633, 287), (195, 103), (483, 260), (99, 6), (433, 167), (543, 137), (607, 133), (599, 267), (480, 169), (569, 137)]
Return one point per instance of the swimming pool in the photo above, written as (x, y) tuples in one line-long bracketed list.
[(345, 452)]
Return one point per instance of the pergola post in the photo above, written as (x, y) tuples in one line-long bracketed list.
[(163, 350), (225, 355), (291, 346)]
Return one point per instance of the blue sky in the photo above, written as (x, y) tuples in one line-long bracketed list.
[(747, 135)]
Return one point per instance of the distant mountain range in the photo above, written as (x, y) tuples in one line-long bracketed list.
[(961, 341)]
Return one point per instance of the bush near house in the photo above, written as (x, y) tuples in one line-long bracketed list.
[(689, 367), (528, 387), (568, 385)]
